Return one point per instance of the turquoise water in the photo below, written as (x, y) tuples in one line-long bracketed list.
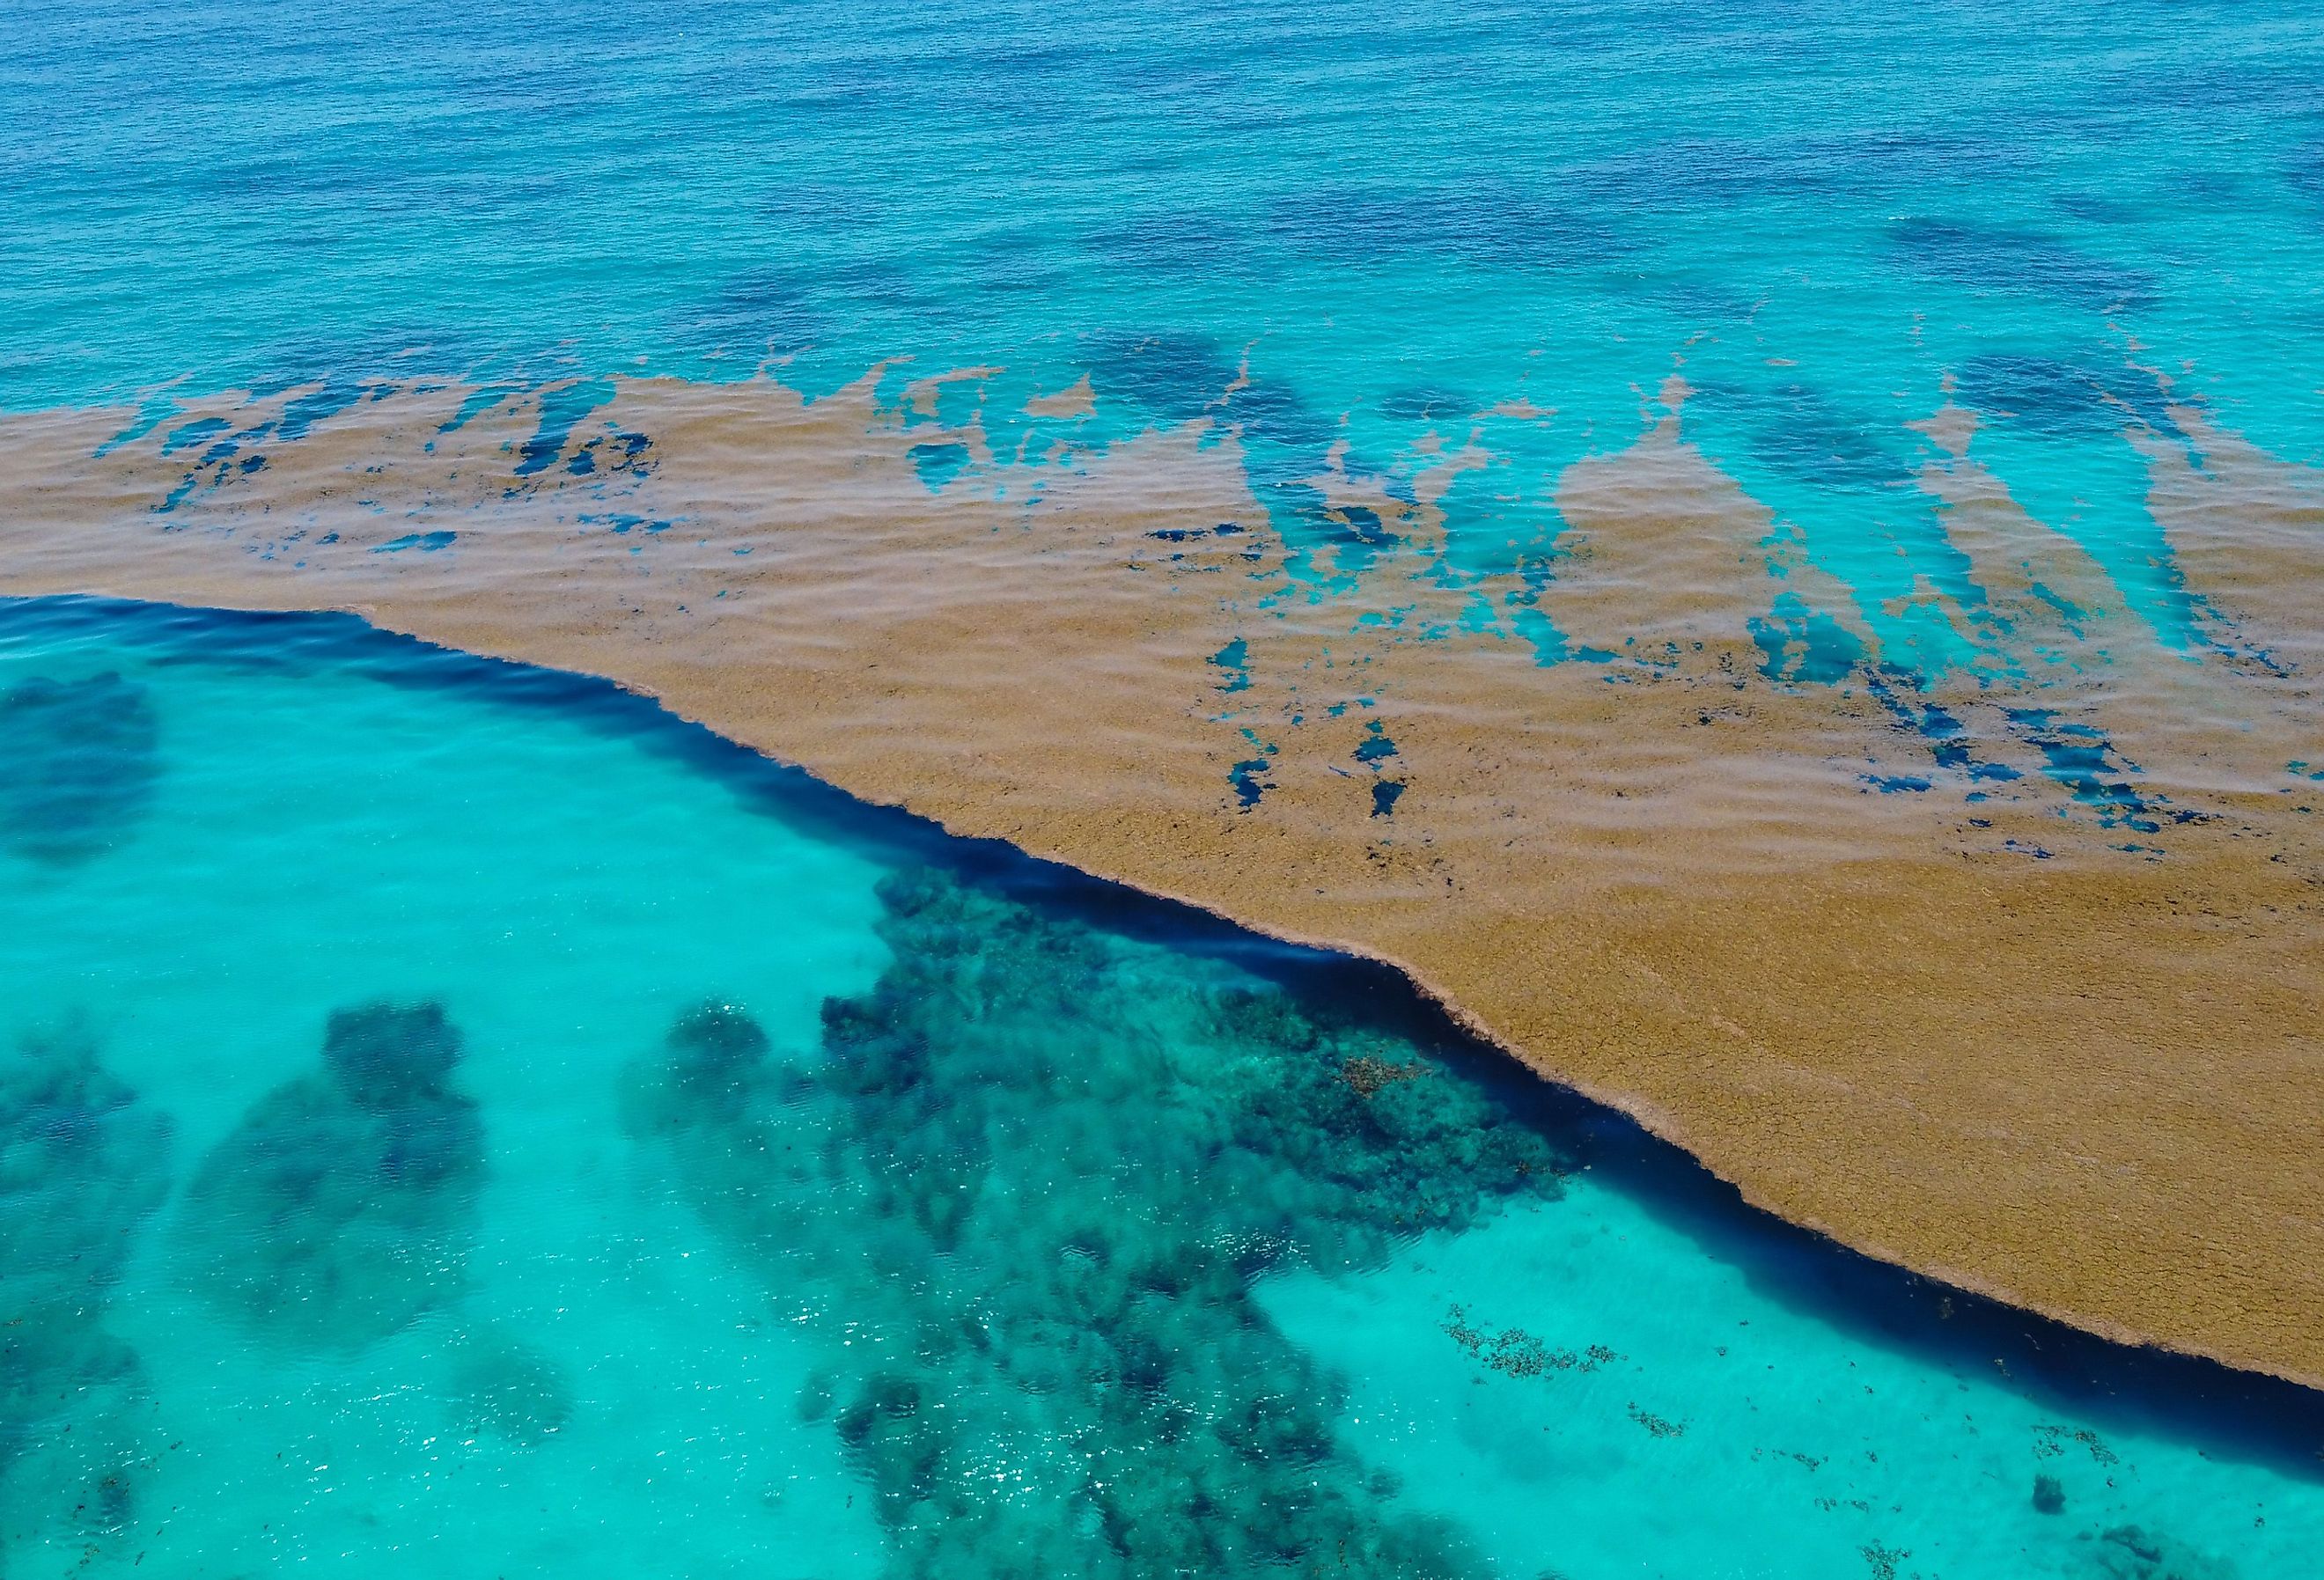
[(457, 1120), (1393, 220)]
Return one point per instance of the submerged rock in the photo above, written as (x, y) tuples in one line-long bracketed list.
[(384, 1058), (2131, 1552), (81, 1164), (1032, 1175), (343, 1204), (715, 1055), (505, 1387), (78, 762)]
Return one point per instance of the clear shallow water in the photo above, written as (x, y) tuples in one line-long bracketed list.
[(758, 1198)]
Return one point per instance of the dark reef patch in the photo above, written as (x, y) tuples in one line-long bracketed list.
[(81, 1164), (1514, 1353), (342, 1207), (1174, 375), (1804, 435), (758, 312), (189, 434), (1177, 377), (2130, 1552), (2079, 401), (505, 1387), (1348, 526), (1376, 747), (337, 393), (1033, 1175), (1994, 258), (1488, 222), (77, 764)]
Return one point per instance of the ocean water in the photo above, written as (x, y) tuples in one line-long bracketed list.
[(456, 1119), (1387, 227)]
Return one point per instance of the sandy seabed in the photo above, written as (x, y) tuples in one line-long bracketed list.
[(2015, 977)]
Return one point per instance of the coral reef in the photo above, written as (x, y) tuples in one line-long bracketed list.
[(80, 1167), (342, 1205), (78, 762), (1024, 1187)]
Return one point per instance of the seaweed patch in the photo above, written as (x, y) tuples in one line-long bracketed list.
[(1030, 1179), (1367, 1076), (78, 762), (1881, 1560), (1657, 1426), (343, 1204), (2049, 1442), (1514, 1353)]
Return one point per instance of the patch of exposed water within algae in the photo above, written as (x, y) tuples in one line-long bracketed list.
[(1021, 1193)]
